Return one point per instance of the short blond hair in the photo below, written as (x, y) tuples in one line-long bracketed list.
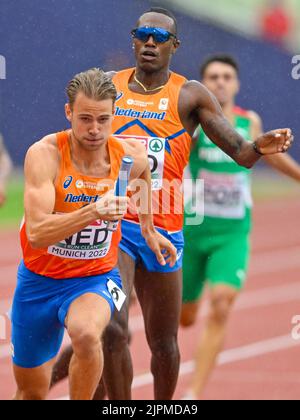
[(94, 83)]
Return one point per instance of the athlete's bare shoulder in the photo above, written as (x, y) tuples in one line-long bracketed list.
[(43, 153), (194, 92), (254, 117), (47, 144), (194, 100), (256, 124)]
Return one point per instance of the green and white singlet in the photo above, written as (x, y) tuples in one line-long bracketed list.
[(217, 250)]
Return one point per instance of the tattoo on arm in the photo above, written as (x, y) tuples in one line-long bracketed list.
[(223, 135), (217, 127)]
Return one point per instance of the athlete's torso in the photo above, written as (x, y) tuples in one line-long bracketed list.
[(227, 187), (154, 120), (93, 250)]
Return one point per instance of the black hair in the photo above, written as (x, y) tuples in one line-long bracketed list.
[(166, 13), (220, 58)]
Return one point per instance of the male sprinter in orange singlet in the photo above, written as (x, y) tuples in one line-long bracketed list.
[(68, 276), (163, 109)]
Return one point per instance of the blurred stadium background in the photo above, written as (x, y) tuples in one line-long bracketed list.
[(46, 42)]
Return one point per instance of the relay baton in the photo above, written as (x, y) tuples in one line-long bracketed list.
[(124, 174), (122, 183)]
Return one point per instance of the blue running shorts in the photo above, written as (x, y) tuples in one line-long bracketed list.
[(39, 310), (135, 245)]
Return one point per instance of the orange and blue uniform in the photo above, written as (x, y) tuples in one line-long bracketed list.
[(92, 251), (154, 121), (50, 279)]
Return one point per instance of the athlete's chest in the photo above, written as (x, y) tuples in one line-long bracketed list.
[(145, 108), (74, 190)]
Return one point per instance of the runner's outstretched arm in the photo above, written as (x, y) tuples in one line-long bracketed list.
[(205, 109)]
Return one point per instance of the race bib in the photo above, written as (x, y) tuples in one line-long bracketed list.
[(91, 243), (117, 294), (155, 147), (224, 194)]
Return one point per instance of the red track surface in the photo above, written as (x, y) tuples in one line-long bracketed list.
[(260, 360)]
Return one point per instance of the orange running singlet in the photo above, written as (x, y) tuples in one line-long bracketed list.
[(154, 120), (92, 251)]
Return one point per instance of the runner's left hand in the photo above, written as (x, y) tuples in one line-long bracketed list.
[(164, 250)]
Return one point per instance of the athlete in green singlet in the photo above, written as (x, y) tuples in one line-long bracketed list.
[(217, 250)]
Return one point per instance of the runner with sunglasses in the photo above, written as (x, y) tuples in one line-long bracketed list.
[(162, 110)]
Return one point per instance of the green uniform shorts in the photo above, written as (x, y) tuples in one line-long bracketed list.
[(216, 259)]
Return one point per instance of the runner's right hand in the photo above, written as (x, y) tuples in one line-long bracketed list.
[(275, 141), (110, 207)]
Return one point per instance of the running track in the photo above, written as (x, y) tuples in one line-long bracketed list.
[(260, 360)]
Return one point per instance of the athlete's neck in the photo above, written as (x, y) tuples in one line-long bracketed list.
[(149, 80), (95, 163)]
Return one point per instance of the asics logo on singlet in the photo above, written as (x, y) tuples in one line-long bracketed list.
[(119, 96), (68, 182), (145, 115), (82, 198)]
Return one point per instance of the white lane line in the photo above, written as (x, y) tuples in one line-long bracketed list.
[(260, 297), (256, 376), (253, 299), (248, 300), (275, 261), (249, 351)]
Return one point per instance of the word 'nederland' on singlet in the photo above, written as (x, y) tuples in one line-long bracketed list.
[(93, 250), (154, 121)]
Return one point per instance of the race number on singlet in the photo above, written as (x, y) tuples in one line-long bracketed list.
[(224, 194), (91, 243), (155, 147)]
